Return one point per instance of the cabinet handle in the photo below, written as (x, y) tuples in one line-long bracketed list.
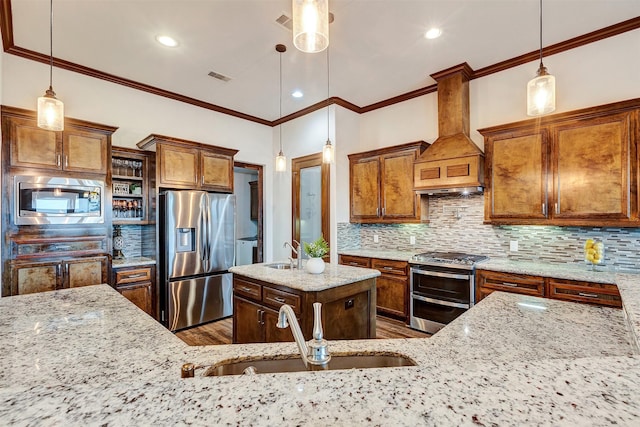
[(134, 276), (588, 295), (259, 316), (354, 263), (511, 285), (61, 247), (66, 161), (558, 207), (279, 299), (58, 160), (544, 209), (377, 211), (244, 288), (202, 180), (384, 211), (387, 268)]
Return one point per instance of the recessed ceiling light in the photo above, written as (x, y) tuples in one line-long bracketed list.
[(297, 94), (167, 41), (433, 33)]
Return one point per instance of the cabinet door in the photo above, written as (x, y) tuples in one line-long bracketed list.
[(274, 334), (248, 320), (141, 294), (216, 172), (85, 271), (591, 168), (33, 147), (355, 261), (178, 166), (399, 201), (391, 295), (84, 151), (31, 277), (489, 281), (587, 292), (517, 170), (365, 189)]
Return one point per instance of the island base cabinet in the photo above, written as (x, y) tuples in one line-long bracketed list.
[(348, 311)]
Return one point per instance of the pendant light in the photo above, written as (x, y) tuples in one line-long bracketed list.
[(50, 108), (310, 25), (281, 159), (327, 150), (541, 90)]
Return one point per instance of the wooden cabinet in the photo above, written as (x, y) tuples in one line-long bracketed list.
[(381, 184), (82, 147), (39, 276), (130, 180), (568, 290), (137, 284), (190, 165), (392, 286), (578, 168), (348, 311)]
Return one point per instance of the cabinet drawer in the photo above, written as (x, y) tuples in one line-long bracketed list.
[(275, 298), (594, 293), (355, 261), (247, 289), (508, 282), (389, 266), (84, 245), (124, 276)]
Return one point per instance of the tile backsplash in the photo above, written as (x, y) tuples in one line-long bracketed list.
[(139, 240), (456, 224)]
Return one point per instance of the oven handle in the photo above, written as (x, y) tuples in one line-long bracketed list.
[(439, 274), (439, 302)]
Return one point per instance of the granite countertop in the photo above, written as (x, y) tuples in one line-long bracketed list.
[(69, 358), (334, 275), (132, 262)]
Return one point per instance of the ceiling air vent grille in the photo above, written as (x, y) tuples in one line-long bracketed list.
[(219, 76), (285, 21)]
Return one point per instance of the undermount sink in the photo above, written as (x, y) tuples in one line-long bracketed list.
[(294, 364), (279, 266)]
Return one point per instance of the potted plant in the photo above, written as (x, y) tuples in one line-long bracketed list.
[(316, 250)]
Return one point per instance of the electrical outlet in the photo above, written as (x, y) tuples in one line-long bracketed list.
[(412, 240), (513, 246), (375, 238)]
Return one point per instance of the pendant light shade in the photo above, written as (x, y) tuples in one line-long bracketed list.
[(281, 159), (310, 25), (541, 90), (50, 108)]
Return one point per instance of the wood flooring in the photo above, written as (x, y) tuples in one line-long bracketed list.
[(220, 332)]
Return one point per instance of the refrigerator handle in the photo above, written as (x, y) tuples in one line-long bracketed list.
[(201, 236), (209, 228)]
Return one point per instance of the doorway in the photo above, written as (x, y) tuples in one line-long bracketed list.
[(310, 199), (248, 188)]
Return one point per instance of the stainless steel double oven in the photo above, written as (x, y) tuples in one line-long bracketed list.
[(442, 287)]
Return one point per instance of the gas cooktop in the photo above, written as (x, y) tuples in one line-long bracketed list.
[(446, 258)]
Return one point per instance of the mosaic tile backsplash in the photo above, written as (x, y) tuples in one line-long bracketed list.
[(456, 224)]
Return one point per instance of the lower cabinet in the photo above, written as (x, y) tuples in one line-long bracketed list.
[(392, 286), (348, 311), (137, 284), (39, 276), (569, 290)]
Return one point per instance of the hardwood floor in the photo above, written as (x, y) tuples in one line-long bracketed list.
[(220, 332)]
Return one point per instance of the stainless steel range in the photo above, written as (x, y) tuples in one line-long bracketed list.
[(442, 287)]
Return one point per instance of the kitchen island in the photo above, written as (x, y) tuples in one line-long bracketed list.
[(86, 356), (347, 295)]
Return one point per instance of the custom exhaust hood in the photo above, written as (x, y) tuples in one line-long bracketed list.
[(453, 163)]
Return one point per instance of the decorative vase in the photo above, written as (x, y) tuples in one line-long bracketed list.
[(118, 243), (315, 265)]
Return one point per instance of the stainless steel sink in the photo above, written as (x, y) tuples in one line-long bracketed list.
[(294, 364), (279, 266)]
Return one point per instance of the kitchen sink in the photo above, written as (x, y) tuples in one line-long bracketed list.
[(294, 364), (279, 266)]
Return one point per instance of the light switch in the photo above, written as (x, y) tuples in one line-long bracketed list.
[(412, 240), (513, 246), (375, 238)]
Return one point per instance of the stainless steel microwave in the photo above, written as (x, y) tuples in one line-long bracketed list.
[(57, 200)]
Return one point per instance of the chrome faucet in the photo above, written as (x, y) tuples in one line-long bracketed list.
[(297, 251), (314, 352)]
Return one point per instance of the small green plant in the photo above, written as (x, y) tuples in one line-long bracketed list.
[(317, 249)]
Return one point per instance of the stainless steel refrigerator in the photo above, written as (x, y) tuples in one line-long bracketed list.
[(196, 239)]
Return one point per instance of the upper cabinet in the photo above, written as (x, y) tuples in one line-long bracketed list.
[(131, 201), (381, 184), (191, 165), (82, 147), (577, 168)]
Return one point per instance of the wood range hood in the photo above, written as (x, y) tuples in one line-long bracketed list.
[(453, 163)]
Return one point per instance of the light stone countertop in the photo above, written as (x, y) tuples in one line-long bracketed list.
[(86, 356), (132, 262), (334, 275)]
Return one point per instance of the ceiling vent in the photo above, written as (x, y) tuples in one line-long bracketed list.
[(219, 76), (285, 21)]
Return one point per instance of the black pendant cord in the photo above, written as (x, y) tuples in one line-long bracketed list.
[(51, 45), (280, 103), (541, 65), (328, 103)]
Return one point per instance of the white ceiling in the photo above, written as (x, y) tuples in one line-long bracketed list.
[(377, 49)]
